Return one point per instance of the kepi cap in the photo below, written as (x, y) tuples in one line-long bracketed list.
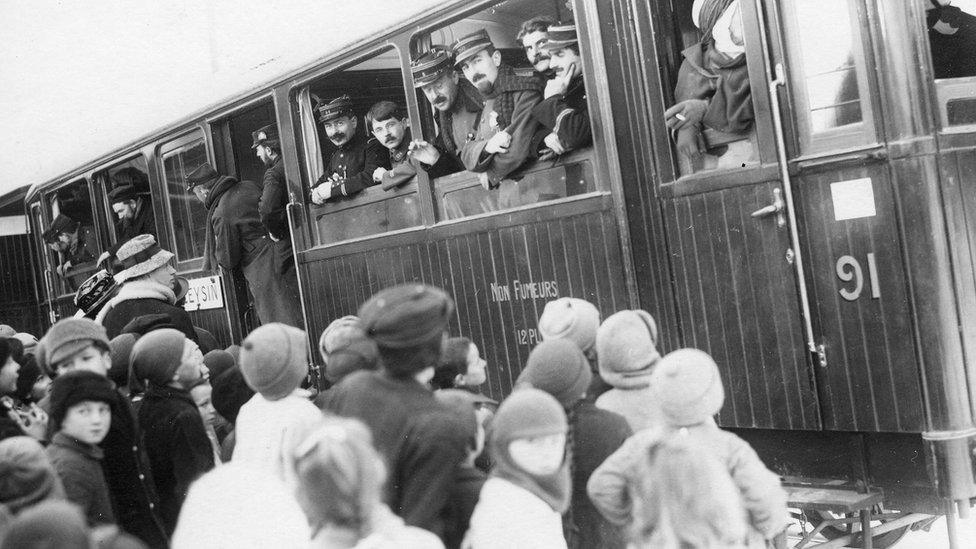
[(203, 175), (266, 133), (431, 65), (61, 224), (128, 183), (466, 46), (561, 36), (340, 106)]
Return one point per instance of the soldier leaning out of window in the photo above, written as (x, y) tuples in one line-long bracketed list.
[(355, 159), (74, 242)]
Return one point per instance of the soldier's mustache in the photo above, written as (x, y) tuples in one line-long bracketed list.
[(478, 77), (336, 137), (440, 99), (390, 139)]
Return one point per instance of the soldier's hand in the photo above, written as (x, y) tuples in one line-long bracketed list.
[(686, 113), (378, 174), (687, 143), (424, 152), (552, 141), (317, 197), (499, 143), (559, 84)]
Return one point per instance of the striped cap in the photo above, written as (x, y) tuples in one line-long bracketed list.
[(561, 36), (467, 46), (340, 106), (431, 65)]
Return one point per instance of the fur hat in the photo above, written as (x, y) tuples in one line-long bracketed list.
[(230, 392), (140, 256), (157, 355), (406, 315), (218, 361), (627, 346), (339, 333), (74, 387), (687, 386), (274, 360), (558, 367), (358, 354), (67, 337), (570, 318), (58, 524), (121, 349), (26, 474)]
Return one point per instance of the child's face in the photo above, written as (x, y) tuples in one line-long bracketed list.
[(201, 396), (192, 369), (8, 376), (90, 358), (539, 456), (476, 374), (87, 421)]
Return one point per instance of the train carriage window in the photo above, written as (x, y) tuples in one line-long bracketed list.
[(710, 114), (952, 42), (509, 123), (356, 130), (125, 192), (187, 212), (72, 236), (829, 74)]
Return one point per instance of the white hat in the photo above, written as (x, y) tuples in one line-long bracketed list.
[(140, 256)]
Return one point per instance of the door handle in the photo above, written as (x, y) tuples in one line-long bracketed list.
[(776, 208)]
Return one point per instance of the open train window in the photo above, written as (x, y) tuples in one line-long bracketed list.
[(346, 162), (509, 132), (952, 41), (71, 237), (124, 193), (829, 75), (189, 217)]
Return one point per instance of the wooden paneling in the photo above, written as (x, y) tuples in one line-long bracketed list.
[(490, 274), (736, 299), (871, 378), (18, 299)]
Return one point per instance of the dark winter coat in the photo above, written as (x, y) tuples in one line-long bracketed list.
[(130, 480), (242, 242), (177, 445), (141, 297), (567, 115), (355, 162), (78, 465), (461, 502), (421, 440), (274, 215), (143, 223), (595, 435)]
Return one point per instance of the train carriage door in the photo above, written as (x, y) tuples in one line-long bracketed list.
[(721, 200)]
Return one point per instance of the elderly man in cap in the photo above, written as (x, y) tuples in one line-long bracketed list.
[(146, 280), (274, 194), (130, 202), (236, 238), (503, 140), (355, 159), (422, 441), (74, 242), (458, 105), (564, 111)]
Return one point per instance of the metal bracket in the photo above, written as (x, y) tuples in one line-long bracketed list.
[(822, 355)]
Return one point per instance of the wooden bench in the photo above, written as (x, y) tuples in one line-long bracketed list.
[(836, 500)]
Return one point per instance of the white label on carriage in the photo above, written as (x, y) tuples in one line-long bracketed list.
[(853, 199), (204, 293)]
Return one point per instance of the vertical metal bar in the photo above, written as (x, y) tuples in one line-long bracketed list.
[(951, 531), (774, 84), (866, 528), (292, 202)]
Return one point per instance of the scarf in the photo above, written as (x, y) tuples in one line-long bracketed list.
[(554, 489), (137, 289), (504, 90), (467, 98), (209, 240)]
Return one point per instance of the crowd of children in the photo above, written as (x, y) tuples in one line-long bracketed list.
[(144, 441)]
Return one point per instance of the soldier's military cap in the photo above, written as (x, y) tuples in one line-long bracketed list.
[(61, 224), (431, 65), (203, 175), (561, 36), (467, 46), (338, 107), (128, 183), (267, 133), (406, 315)]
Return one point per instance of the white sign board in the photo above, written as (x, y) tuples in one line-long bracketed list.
[(853, 199), (204, 293)]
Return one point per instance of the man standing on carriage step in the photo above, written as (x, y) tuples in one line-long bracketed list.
[(458, 104), (356, 155), (503, 140), (235, 237), (274, 195)]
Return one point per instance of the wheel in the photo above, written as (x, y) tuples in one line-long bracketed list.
[(887, 539)]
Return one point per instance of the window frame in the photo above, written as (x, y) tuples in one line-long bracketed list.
[(47, 208), (100, 178), (164, 149)]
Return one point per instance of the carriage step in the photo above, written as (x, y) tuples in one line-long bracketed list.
[(831, 499)]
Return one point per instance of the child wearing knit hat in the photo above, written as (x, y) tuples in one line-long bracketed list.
[(626, 343), (274, 361), (529, 489), (81, 413), (575, 320), (26, 474), (75, 343), (688, 387)]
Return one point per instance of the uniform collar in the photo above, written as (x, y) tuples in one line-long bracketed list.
[(399, 154)]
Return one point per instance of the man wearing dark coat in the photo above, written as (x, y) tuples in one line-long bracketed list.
[(77, 246), (130, 202), (236, 238), (356, 158), (502, 140), (389, 126), (274, 195), (458, 105), (564, 111)]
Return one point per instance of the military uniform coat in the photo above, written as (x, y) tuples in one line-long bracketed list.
[(240, 241), (144, 222), (456, 127), (567, 116), (354, 162), (402, 168), (274, 216)]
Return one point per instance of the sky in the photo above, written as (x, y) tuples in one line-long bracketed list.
[(81, 78)]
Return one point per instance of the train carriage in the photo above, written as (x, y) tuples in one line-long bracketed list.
[(820, 249)]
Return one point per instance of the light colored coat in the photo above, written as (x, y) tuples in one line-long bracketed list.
[(637, 406), (510, 517), (267, 432)]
